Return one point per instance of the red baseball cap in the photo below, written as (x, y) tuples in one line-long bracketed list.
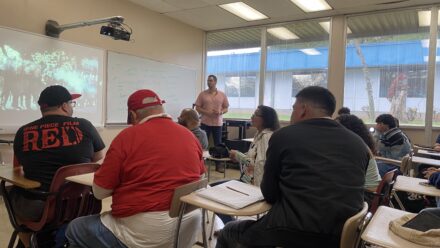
[(142, 99)]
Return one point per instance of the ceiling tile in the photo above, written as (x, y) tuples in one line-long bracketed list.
[(207, 18), (187, 4), (276, 8), (156, 5)]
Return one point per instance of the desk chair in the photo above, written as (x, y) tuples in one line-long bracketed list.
[(65, 201), (176, 209), (353, 228), (382, 195)]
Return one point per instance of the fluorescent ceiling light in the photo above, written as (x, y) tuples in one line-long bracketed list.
[(312, 5), (243, 11), (425, 18), (326, 27), (310, 51), (282, 33), (234, 51)]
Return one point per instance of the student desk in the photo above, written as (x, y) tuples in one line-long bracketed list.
[(378, 232), (430, 153), (429, 161), (207, 156), (412, 185), (15, 176), (87, 179), (206, 204)]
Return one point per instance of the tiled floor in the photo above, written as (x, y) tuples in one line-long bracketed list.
[(6, 228)]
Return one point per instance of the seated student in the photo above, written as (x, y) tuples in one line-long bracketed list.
[(433, 175), (393, 143), (343, 111), (313, 177), (189, 118), (143, 166), (265, 120), (357, 126), (437, 144)]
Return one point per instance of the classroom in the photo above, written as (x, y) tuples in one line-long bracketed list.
[(376, 57)]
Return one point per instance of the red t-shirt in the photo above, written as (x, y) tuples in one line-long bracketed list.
[(146, 162)]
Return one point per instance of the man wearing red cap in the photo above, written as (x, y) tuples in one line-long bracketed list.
[(142, 167), (55, 140)]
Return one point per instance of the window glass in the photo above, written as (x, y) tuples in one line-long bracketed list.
[(234, 57), (386, 66), (297, 57)]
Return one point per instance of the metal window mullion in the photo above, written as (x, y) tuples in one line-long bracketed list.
[(263, 59), (431, 75)]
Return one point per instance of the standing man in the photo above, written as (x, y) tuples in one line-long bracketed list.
[(53, 141), (313, 176), (143, 166), (212, 104), (189, 118)]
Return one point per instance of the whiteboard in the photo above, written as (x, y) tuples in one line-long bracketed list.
[(30, 62), (126, 74)]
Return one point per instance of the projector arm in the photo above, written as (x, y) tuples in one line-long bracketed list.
[(53, 29)]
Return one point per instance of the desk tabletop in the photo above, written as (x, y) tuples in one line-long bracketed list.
[(378, 232), (254, 209), (15, 175), (412, 185), (86, 179), (431, 153), (430, 161)]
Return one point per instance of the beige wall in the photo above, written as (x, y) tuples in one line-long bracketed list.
[(154, 36)]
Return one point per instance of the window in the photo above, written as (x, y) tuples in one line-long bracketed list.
[(436, 106), (240, 86), (305, 79), (395, 80), (234, 57), (297, 57), (386, 66)]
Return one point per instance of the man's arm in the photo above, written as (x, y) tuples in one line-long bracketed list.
[(101, 193), (98, 156)]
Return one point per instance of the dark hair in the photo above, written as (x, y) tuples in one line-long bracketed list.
[(344, 111), (212, 76), (397, 122), (386, 119), (320, 97), (357, 126), (270, 117)]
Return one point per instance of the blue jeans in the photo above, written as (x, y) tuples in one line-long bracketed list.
[(385, 167), (88, 231), (216, 133)]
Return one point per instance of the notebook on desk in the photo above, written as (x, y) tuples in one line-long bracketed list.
[(234, 194)]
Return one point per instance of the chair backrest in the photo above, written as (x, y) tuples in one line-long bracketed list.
[(185, 190), (350, 232), (69, 200), (383, 191)]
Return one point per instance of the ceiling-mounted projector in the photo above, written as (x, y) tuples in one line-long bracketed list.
[(115, 28), (115, 32)]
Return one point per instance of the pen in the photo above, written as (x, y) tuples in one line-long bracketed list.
[(236, 190)]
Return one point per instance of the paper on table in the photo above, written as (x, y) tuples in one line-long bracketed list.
[(234, 194)]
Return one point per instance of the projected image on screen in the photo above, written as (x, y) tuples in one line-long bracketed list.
[(29, 63)]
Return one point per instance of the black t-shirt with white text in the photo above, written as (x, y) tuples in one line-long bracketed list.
[(53, 141)]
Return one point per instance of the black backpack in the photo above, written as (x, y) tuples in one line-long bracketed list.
[(219, 151)]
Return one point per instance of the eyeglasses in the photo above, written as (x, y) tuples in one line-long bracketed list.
[(72, 103)]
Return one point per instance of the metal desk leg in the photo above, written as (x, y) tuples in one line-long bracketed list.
[(205, 241), (179, 222), (394, 194)]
